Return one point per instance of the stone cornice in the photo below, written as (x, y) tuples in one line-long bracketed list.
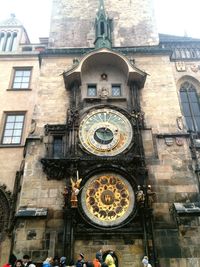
[(166, 135), (21, 55), (125, 50)]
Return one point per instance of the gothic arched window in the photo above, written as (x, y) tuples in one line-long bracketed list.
[(190, 106), (7, 44), (13, 43), (102, 28)]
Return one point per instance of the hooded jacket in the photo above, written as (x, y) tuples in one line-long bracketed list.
[(110, 261)]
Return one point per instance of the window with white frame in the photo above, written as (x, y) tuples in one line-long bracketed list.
[(13, 129), (21, 78)]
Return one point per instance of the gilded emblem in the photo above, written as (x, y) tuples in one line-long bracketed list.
[(107, 199)]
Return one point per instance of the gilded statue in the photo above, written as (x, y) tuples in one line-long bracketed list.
[(75, 191)]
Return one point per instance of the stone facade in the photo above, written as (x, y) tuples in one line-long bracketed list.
[(162, 153), (72, 23)]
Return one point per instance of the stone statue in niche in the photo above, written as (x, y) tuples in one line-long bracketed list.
[(179, 121), (33, 126), (104, 93), (72, 117), (151, 196), (140, 197)]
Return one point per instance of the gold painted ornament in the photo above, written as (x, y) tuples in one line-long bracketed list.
[(107, 199)]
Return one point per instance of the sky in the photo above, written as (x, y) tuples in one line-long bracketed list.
[(175, 17)]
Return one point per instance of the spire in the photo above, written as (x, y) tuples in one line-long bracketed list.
[(101, 10), (11, 22), (103, 27)]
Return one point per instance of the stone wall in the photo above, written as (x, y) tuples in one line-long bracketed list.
[(72, 23)]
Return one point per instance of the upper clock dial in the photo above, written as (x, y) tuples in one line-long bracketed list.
[(105, 132)]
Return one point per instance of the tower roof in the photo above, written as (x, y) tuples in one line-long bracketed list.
[(11, 22)]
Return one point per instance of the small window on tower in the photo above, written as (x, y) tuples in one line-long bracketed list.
[(116, 90), (58, 147), (92, 90), (102, 28)]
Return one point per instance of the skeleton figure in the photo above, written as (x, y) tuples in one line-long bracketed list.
[(151, 196)]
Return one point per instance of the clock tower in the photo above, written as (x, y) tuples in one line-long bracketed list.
[(104, 158), (104, 147), (93, 131)]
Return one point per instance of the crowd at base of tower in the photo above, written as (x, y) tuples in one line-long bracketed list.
[(110, 261)]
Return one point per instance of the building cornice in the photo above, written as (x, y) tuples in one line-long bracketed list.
[(22, 55), (124, 50)]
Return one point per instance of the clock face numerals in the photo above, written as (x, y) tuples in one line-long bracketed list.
[(105, 132), (107, 199)]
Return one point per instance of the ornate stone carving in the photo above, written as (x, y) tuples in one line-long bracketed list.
[(137, 118), (179, 121), (33, 126), (72, 117), (169, 141), (194, 68), (179, 141), (104, 92), (54, 168), (54, 128), (180, 66)]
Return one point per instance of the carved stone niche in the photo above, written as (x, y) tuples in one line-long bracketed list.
[(55, 140)]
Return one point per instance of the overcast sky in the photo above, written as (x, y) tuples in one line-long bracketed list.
[(173, 16)]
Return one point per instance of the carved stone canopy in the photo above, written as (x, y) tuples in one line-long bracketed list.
[(102, 57)]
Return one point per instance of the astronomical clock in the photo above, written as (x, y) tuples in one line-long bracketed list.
[(105, 132), (107, 197)]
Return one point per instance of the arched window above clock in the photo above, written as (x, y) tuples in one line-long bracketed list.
[(190, 105)]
